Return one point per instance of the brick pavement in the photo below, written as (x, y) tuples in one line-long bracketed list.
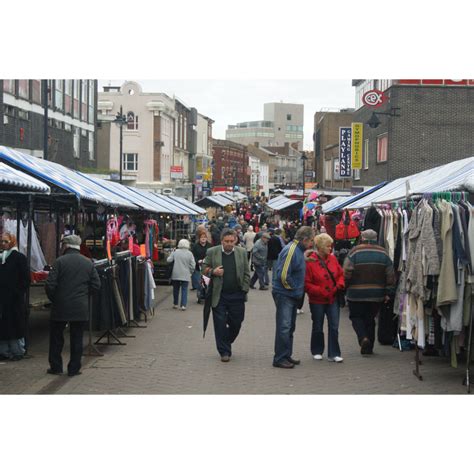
[(171, 357)]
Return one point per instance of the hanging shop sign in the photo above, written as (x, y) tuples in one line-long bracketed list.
[(356, 145), (345, 138), (176, 172), (374, 98)]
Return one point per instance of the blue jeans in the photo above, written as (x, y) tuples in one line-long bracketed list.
[(196, 280), (12, 348), (260, 275), (177, 284), (228, 316), (285, 326), (317, 334)]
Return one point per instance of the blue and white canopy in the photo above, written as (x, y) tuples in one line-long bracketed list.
[(171, 208), (216, 200), (282, 202), (12, 177), (189, 204), (64, 178)]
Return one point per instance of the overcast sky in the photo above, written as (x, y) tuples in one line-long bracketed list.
[(232, 101)]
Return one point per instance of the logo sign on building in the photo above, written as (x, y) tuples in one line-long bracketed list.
[(356, 145), (345, 139), (374, 98), (176, 172)]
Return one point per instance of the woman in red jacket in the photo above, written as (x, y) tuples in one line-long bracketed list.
[(324, 276)]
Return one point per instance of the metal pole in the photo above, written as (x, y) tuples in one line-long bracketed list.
[(58, 217), (121, 143), (304, 160), (28, 263), (18, 221), (44, 84)]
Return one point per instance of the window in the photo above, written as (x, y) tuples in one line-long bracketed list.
[(9, 86), (365, 157), (58, 94), (24, 88), (36, 91), (382, 142), (328, 170), (76, 143), (288, 116), (132, 121), (84, 100), (91, 101), (23, 114), (68, 97), (176, 133), (130, 162), (77, 93), (356, 174)]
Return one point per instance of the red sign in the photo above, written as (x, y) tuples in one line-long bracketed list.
[(176, 169), (374, 98), (437, 82)]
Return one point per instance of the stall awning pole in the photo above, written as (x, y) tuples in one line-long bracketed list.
[(28, 264)]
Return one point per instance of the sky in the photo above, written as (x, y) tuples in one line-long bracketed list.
[(228, 102)]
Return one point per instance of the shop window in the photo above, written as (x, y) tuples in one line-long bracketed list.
[(382, 145), (130, 162)]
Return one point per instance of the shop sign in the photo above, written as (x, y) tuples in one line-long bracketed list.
[(374, 98), (356, 145), (176, 172), (345, 139)]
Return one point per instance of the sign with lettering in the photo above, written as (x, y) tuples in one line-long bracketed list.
[(345, 140), (374, 98), (356, 146)]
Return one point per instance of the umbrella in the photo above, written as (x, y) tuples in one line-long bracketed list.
[(207, 290)]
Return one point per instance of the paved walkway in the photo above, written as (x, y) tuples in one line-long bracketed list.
[(170, 356)]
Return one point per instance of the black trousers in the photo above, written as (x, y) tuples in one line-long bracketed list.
[(56, 344), (228, 316), (362, 314)]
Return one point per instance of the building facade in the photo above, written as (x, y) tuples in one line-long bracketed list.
[(326, 148), (203, 154), (230, 166), (259, 161), (432, 123), (71, 126), (282, 123)]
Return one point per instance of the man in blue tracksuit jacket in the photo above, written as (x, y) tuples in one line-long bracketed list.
[(287, 289)]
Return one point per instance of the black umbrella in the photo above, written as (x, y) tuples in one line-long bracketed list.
[(207, 290)]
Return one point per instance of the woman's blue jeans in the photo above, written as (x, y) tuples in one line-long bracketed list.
[(317, 334), (183, 285)]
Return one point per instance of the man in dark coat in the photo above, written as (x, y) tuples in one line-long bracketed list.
[(14, 280), (71, 280)]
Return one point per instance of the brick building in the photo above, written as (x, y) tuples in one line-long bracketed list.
[(230, 166), (326, 148), (435, 126), (72, 117)]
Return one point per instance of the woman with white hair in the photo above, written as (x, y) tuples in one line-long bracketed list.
[(183, 267), (324, 277), (248, 239)]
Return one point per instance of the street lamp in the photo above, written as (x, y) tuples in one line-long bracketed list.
[(303, 159), (120, 120), (374, 120)]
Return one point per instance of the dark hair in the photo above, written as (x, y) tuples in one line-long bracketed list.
[(228, 231)]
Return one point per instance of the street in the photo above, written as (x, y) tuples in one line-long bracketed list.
[(170, 356)]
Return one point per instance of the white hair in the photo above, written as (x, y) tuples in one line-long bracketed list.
[(184, 244)]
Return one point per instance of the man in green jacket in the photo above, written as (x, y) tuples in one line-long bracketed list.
[(227, 266)]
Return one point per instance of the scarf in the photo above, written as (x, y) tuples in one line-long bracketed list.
[(6, 254)]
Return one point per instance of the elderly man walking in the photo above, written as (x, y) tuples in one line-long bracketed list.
[(71, 280), (259, 260), (228, 267), (287, 290), (370, 279)]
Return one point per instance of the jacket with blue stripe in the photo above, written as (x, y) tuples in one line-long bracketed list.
[(289, 271)]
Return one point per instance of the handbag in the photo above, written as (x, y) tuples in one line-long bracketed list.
[(340, 294), (347, 228)]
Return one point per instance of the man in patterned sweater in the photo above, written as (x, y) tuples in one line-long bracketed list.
[(370, 279)]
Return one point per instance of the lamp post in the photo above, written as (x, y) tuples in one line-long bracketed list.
[(120, 119), (303, 159)]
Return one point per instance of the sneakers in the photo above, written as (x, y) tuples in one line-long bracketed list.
[(175, 306), (264, 288), (318, 357), (183, 308), (299, 311), (335, 359)]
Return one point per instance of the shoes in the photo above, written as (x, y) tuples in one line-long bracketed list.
[(15, 358), (225, 358), (54, 372), (365, 346), (284, 364), (183, 308), (335, 359), (293, 361), (299, 311), (175, 306), (318, 357), (199, 301), (252, 287), (264, 288), (73, 374)]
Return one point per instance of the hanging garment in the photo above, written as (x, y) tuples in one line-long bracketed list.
[(38, 261), (47, 238)]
